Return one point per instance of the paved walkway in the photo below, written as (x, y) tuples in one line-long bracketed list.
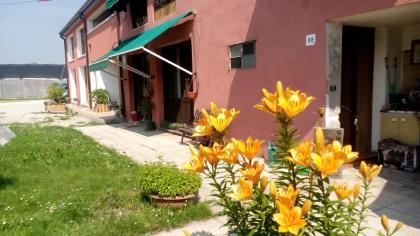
[(395, 193)]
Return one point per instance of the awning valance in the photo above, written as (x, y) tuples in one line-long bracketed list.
[(137, 42), (110, 3)]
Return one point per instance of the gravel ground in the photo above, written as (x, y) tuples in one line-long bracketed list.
[(33, 112)]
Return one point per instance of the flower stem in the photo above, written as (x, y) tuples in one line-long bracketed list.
[(363, 207)]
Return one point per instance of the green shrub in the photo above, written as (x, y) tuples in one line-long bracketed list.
[(55, 92), (100, 96), (167, 180), (146, 108)]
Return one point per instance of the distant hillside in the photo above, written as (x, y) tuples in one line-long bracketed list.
[(32, 71)]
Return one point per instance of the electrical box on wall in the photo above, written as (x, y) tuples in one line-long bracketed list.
[(310, 40)]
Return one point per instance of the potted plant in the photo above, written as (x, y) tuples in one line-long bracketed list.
[(101, 99), (188, 92), (146, 108), (168, 186), (56, 95)]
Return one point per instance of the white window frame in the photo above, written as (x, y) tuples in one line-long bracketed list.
[(70, 48), (79, 42), (90, 26), (242, 55)]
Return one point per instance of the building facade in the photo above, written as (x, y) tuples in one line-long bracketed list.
[(226, 51)]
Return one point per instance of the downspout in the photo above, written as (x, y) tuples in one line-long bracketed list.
[(82, 17), (122, 98), (67, 69)]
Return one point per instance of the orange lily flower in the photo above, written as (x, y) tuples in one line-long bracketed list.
[(196, 162), (288, 102), (249, 148), (230, 153), (369, 171), (306, 207), (343, 191), (326, 164), (202, 126), (213, 154), (290, 220), (241, 191), (301, 155), (285, 196), (253, 172)]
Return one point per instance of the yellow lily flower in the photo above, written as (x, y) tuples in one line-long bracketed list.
[(343, 191), (242, 190), (306, 207), (249, 148), (230, 153), (326, 164), (196, 162), (286, 196), (202, 126), (301, 155), (294, 102), (263, 183), (289, 220), (186, 232), (253, 172), (369, 171), (269, 103), (213, 154)]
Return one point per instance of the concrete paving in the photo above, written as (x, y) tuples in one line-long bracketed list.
[(394, 193), (33, 111)]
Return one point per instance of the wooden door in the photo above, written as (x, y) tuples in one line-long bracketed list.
[(356, 86)]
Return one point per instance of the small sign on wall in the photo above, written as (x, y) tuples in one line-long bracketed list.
[(310, 40)]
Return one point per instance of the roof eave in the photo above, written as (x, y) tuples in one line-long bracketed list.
[(76, 16)]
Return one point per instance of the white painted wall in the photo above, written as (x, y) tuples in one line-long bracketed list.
[(108, 80), (82, 83), (409, 33), (72, 85), (379, 83)]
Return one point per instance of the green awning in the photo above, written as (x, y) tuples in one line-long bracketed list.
[(110, 3), (137, 42)]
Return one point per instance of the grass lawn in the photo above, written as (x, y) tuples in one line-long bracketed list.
[(56, 181)]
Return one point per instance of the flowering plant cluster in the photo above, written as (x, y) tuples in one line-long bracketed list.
[(296, 196)]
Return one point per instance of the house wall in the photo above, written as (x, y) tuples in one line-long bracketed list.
[(279, 28), (108, 79)]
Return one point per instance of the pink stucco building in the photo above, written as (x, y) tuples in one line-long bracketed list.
[(333, 50)]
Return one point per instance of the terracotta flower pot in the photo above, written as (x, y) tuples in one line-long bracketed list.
[(56, 107), (101, 107), (192, 95), (177, 202)]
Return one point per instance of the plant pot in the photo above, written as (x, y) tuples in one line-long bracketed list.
[(149, 125), (192, 95), (56, 107), (101, 108), (176, 202)]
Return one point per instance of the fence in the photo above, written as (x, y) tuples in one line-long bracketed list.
[(26, 88)]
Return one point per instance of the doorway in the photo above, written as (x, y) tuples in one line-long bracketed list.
[(356, 86), (140, 62), (177, 107)]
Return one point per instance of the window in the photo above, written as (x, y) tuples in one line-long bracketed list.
[(81, 42), (101, 18), (242, 56), (70, 46), (138, 9), (164, 8)]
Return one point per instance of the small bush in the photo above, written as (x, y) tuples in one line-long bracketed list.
[(55, 92), (100, 96), (167, 180)]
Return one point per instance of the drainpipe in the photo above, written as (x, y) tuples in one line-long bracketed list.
[(122, 98), (66, 64), (82, 17)]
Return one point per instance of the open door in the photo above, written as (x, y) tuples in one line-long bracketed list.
[(356, 86), (177, 108)]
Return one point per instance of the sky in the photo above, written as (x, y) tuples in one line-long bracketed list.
[(29, 31)]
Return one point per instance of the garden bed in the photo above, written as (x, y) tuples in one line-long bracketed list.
[(56, 181)]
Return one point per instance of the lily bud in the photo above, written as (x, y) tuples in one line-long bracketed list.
[(385, 222), (273, 188), (306, 207), (186, 232), (263, 183), (399, 226)]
